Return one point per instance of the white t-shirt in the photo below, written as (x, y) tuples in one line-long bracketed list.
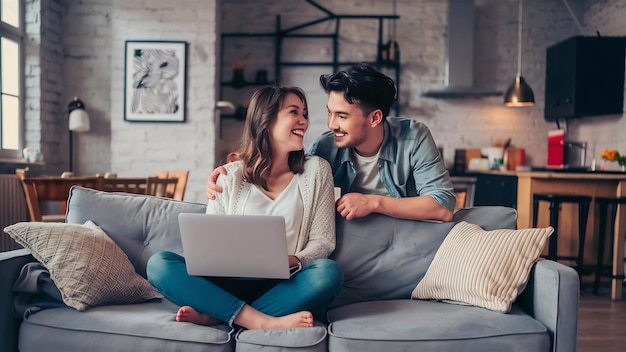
[(367, 178), (288, 204)]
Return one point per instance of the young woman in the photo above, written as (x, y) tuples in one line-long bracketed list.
[(272, 177)]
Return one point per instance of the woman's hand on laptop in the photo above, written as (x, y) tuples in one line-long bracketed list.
[(211, 183), (293, 261)]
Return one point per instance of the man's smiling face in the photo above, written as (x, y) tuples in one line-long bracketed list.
[(347, 121)]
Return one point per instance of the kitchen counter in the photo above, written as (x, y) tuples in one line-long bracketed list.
[(595, 184)]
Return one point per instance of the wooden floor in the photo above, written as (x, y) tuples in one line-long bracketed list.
[(601, 322)]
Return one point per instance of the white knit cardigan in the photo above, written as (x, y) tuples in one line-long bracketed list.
[(316, 238)]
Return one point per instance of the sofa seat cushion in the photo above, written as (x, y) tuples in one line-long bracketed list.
[(138, 327), (409, 325), (295, 339)]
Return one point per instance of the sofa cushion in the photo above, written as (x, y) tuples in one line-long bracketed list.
[(384, 257), (140, 225), (488, 269), (276, 340), (87, 267), (409, 325), (136, 327)]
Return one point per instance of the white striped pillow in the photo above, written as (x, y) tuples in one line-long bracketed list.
[(487, 269)]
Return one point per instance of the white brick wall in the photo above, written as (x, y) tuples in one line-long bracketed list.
[(80, 51), (87, 75), (145, 148), (421, 33)]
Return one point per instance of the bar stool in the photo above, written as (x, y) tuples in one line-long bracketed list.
[(606, 204), (555, 201)]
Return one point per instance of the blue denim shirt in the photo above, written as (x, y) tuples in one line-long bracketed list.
[(409, 164)]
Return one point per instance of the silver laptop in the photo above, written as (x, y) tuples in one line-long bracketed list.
[(246, 246)]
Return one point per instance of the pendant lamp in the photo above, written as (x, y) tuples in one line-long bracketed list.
[(519, 92)]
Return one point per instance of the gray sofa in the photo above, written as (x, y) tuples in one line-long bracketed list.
[(383, 259)]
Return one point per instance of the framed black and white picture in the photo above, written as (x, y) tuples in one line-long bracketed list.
[(154, 81)]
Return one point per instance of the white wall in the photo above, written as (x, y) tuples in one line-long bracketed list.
[(81, 51), (421, 33)]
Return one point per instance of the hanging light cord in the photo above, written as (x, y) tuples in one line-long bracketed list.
[(580, 28), (519, 40)]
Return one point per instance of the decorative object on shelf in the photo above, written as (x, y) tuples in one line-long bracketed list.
[(519, 92), (31, 154), (238, 80), (154, 81), (78, 121), (389, 54), (614, 155), (261, 76)]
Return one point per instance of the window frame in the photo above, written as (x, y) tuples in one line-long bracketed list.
[(18, 35)]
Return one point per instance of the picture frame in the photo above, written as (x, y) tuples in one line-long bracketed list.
[(155, 81)]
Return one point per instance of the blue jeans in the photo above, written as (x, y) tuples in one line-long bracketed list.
[(314, 287)]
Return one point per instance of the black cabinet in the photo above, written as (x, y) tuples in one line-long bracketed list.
[(494, 189), (585, 77)]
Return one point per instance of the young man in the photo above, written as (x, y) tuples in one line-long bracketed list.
[(386, 165)]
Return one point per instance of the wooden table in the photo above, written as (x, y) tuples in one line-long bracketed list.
[(57, 189), (595, 184)]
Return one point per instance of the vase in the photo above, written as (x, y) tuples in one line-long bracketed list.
[(623, 168)]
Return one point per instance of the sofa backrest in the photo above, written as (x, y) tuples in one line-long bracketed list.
[(140, 225), (382, 257), (385, 258)]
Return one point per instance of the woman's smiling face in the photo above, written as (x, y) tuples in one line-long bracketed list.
[(287, 130)]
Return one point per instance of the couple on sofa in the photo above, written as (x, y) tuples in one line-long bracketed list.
[(382, 165)]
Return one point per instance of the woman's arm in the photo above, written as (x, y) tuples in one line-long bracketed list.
[(320, 241)]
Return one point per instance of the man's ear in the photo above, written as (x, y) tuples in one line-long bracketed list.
[(375, 118)]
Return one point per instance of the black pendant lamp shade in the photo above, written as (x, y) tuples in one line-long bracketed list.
[(519, 92)]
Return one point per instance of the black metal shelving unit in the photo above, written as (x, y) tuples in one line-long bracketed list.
[(280, 34)]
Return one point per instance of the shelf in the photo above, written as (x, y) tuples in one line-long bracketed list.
[(282, 34)]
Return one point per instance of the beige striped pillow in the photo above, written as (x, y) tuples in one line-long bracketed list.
[(487, 269)]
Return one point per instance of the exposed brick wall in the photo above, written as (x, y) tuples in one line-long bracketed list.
[(87, 74), (139, 149), (421, 33), (43, 60), (84, 51)]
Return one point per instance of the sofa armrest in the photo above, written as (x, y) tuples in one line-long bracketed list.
[(552, 297), (11, 264)]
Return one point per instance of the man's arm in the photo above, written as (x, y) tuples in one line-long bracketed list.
[(211, 183), (356, 205)]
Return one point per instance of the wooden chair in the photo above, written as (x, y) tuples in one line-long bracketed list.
[(161, 187), (126, 185), (182, 176), (162, 174), (38, 190)]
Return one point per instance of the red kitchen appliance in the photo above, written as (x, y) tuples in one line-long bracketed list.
[(556, 148)]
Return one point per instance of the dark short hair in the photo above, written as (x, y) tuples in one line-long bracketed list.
[(364, 85), (255, 149)]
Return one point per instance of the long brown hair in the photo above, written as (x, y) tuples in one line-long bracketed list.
[(255, 149)]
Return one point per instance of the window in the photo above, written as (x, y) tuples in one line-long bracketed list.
[(11, 77)]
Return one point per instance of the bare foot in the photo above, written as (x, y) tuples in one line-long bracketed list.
[(253, 319), (303, 319), (190, 315)]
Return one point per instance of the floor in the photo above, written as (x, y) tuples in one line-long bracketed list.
[(601, 322)]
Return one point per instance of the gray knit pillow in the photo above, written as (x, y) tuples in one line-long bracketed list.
[(85, 264)]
